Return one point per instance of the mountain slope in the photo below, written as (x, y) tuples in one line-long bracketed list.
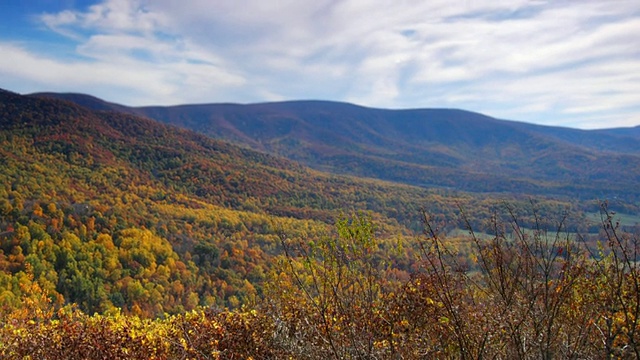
[(426, 147), (170, 158), (108, 210)]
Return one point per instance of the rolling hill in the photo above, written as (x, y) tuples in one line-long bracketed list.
[(108, 209), (123, 217), (140, 151), (443, 148)]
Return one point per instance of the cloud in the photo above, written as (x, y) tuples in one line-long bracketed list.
[(513, 54), (544, 61), (110, 16), (123, 54), (124, 79)]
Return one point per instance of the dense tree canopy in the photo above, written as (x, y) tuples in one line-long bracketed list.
[(124, 238)]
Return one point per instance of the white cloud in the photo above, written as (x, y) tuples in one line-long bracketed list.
[(124, 79), (543, 61), (110, 16)]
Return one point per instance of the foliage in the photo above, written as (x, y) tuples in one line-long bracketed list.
[(115, 211), (533, 294), (529, 295), (71, 334), (185, 247), (331, 297)]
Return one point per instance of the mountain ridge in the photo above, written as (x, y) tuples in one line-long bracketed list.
[(426, 147), (97, 103), (163, 155)]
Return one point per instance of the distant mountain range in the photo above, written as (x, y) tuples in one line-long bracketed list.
[(425, 147)]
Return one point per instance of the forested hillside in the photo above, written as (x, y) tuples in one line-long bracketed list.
[(184, 246), (179, 219), (426, 147)]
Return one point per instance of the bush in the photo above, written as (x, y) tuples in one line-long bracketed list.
[(525, 294)]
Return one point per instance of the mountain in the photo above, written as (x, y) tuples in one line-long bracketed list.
[(141, 151), (445, 148), (632, 131), (109, 210), (88, 101), (221, 250), (106, 209)]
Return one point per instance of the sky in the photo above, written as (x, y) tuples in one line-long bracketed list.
[(560, 63)]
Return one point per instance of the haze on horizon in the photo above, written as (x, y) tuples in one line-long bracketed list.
[(560, 63)]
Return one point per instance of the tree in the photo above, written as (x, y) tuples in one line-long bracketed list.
[(334, 298), (613, 290)]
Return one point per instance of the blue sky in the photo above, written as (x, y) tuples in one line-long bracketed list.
[(562, 63)]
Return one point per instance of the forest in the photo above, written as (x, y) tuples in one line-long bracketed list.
[(121, 237), (446, 148)]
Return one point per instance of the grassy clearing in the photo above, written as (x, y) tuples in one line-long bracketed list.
[(623, 219)]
